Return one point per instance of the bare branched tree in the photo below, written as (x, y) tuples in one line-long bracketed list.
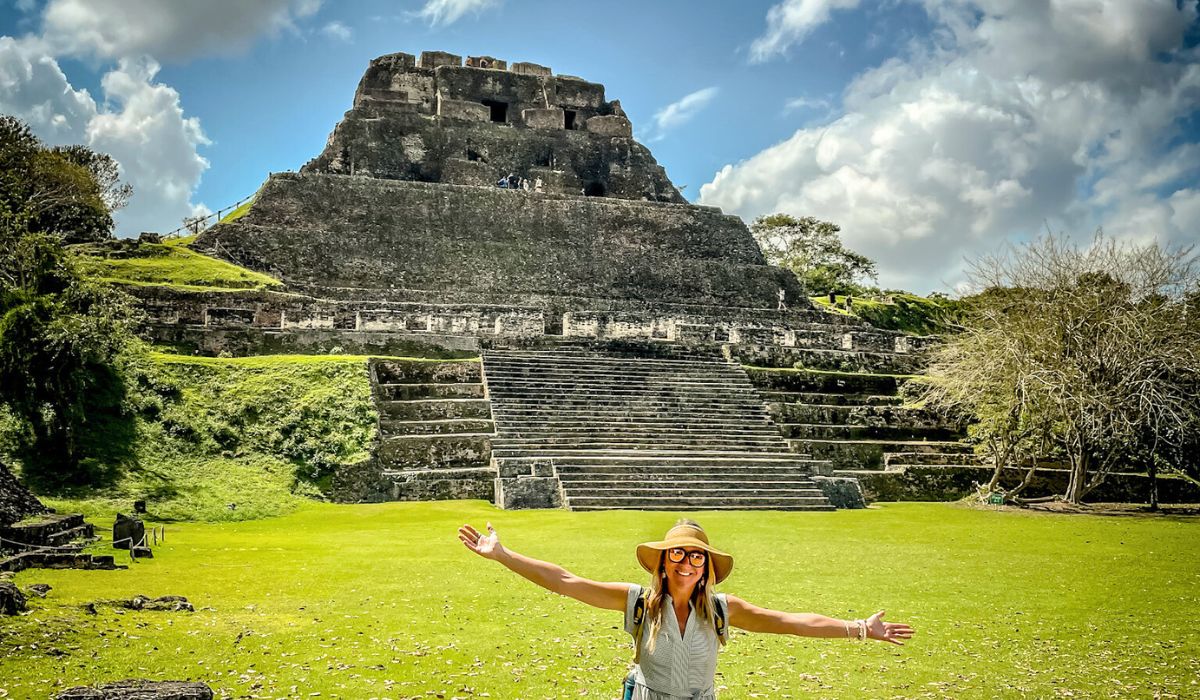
[(1087, 352)]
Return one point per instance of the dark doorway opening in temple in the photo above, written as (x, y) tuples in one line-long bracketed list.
[(472, 154), (594, 189), (569, 116), (553, 323), (499, 110), (545, 159)]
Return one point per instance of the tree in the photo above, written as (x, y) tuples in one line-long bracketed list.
[(1086, 352), (813, 250), (68, 192), (63, 339)]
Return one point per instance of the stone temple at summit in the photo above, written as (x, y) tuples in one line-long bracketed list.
[(605, 324)]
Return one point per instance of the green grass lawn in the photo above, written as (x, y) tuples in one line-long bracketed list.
[(904, 312), (263, 433), (380, 601), (172, 264)]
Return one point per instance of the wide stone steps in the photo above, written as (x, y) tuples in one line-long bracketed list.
[(647, 449), (852, 432), (655, 500), (630, 432), (572, 470), (610, 403), (435, 431)]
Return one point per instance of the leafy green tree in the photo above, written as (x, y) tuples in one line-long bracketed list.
[(69, 192), (813, 250), (64, 340)]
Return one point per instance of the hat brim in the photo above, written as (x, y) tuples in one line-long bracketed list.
[(649, 554)]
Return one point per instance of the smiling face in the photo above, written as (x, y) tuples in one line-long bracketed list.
[(683, 576)]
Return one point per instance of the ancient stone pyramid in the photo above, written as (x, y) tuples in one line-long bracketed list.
[(402, 206)]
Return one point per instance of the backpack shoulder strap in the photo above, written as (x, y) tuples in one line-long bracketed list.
[(719, 617), (639, 620)]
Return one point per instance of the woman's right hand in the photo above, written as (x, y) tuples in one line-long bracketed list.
[(487, 546)]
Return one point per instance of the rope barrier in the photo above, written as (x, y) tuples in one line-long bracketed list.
[(196, 225)]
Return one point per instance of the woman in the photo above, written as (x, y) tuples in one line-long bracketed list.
[(678, 622)]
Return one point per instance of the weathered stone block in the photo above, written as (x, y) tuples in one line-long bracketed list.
[(842, 491), (528, 492), (527, 68), (460, 171), (434, 59), (127, 532), (520, 325), (12, 600), (610, 125), (216, 316), (689, 333), (462, 109), (488, 62), (543, 118), (753, 336)]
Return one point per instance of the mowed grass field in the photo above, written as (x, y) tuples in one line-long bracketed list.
[(381, 601)]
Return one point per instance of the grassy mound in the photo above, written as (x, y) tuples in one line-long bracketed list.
[(907, 313), (238, 439), (375, 601), (170, 263)]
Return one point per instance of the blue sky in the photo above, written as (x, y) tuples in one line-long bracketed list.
[(931, 130)]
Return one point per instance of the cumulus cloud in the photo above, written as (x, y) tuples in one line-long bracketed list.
[(792, 20), (165, 29), (139, 122), (440, 13), (1010, 117), (678, 113), (337, 31)]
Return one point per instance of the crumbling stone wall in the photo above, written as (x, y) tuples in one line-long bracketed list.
[(435, 120)]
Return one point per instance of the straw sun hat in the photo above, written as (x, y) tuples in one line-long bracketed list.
[(685, 536)]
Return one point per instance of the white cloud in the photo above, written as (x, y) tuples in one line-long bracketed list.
[(809, 103), (790, 22), (1010, 117), (165, 29), (139, 123), (678, 113), (337, 31), (144, 128), (440, 13)]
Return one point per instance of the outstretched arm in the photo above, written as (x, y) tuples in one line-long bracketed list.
[(552, 577), (755, 619)]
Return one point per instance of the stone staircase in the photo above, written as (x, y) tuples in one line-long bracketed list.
[(592, 430), (435, 429), (857, 421)]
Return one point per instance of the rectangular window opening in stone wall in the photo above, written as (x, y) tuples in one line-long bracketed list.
[(499, 110), (569, 115)]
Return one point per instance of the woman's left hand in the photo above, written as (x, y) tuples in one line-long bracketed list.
[(894, 632)]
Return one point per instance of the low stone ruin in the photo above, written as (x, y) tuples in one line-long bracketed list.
[(138, 689)]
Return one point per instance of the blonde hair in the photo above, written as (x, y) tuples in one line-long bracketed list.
[(702, 595)]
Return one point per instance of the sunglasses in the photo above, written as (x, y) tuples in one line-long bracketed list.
[(696, 558)]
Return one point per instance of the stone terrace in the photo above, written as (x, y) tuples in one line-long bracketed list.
[(596, 431)]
